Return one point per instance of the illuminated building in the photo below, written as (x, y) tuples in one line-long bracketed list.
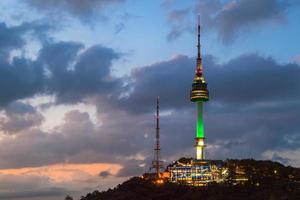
[(199, 95), (198, 173)]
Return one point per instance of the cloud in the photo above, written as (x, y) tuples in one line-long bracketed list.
[(13, 37), (119, 27), (229, 18), (84, 10), (132, 168), (124, 19), (74, 75), (61, 68), (55, 181), (248, 80), (21, 186), (77, 140), (104, 174), (260, 80), (10, 37), (19, 117), (288, 156), (168, 79), (180, 22), (237, 15), (21, 77), (297, 58)]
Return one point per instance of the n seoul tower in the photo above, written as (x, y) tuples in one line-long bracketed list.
[(199, 95)]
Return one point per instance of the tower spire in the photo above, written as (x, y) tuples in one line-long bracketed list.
[(199, 73)]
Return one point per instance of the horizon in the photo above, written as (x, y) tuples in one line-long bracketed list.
[(79, 82)]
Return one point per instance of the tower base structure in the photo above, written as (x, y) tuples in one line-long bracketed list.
[(189, 171), (200, 148)]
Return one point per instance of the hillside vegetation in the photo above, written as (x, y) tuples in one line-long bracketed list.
[(267, 181)]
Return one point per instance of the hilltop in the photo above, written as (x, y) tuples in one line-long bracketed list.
[(267, 180)]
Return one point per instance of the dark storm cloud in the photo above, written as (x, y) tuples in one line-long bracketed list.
[(84, 10), (232, 17)]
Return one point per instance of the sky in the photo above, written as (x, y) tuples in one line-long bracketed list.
[(79, 81)]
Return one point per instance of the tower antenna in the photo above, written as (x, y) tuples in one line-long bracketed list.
[(198, 44), (157, 164), (199, 71), (157, 149)]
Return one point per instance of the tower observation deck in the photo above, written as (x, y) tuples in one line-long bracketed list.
[(199, 94)]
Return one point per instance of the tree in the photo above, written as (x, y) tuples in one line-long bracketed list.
[(68, 197)]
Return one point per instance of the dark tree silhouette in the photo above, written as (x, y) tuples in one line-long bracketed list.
[(68, 197)]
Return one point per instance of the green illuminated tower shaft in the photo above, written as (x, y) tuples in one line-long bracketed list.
[(199, 95), (200, 127)]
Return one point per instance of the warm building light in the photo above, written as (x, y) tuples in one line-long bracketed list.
[(159, 181)]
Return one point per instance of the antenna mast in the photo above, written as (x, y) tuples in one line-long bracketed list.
[(157, 163), (198, 44), (157, 149)]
